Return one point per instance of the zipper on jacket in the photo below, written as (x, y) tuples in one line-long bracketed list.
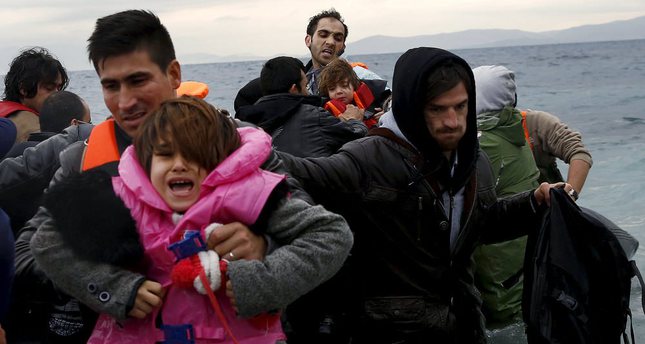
[(452, 206), (464, 226), (419, 216), (499, 174)]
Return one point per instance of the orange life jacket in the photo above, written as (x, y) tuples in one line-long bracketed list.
[(363, 98), (102, 147), (193, 88), (358, 64)]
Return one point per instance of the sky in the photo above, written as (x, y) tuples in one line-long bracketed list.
[(243, 28)]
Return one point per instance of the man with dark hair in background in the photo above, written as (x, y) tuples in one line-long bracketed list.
[(63, 109), (283, 74), (32, 77), (296, 121), (60, 110), (326, 36)]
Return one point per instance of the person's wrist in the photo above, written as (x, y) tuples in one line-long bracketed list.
[(574, 194)]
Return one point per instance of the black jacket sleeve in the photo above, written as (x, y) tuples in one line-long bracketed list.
[(337, 175)]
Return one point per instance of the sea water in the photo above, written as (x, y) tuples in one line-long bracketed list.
[(596, 88)]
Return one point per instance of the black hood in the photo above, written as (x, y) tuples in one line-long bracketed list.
[(271, 111), (408, 100)]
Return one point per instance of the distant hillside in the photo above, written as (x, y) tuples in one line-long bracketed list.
[(617, 30)]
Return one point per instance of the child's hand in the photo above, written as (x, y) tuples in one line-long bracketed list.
[(231, 296), (352, 112), (235, 241), (149, 296)]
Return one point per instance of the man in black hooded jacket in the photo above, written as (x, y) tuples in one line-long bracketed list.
[(419, 195)]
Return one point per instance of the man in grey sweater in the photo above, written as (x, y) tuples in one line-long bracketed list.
[(549, 138), (136, 76)]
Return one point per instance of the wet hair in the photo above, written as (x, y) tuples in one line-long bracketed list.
[(330, 13), (32, 67), (198, 131), (335, 73), (129, 31), (58, 111), (444, 78), (279, 73)]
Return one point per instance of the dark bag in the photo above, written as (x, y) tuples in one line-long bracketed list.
[(578, 278)]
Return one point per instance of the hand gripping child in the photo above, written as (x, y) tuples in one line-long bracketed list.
[(189, 169)]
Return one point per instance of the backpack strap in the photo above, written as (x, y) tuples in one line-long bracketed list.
[(390, 135), (637, 273), (631, 329)]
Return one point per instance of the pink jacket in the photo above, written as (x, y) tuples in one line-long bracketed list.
[(236, 190)]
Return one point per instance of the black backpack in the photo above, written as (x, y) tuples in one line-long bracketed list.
[(577, 278)]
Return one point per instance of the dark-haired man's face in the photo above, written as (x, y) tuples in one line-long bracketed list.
[(44, 90), (327, 42), (134, 87), (445, 117)]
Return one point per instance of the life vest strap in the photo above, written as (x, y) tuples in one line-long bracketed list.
[(216, 307), (336, 107), (363, 96), (527, 135)]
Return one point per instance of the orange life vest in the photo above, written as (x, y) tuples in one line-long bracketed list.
[(358, 64), (102, 147), (193, 88), (363, 98)]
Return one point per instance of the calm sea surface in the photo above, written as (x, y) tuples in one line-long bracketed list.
[(597, 88)]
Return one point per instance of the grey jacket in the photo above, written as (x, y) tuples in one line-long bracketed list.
[(24, 178), (553, 139), (315, 244), (37, 165)]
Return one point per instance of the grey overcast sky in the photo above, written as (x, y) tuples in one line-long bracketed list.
[(270, 28)]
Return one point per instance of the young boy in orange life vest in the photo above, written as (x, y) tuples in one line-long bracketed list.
[(346, 92)]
